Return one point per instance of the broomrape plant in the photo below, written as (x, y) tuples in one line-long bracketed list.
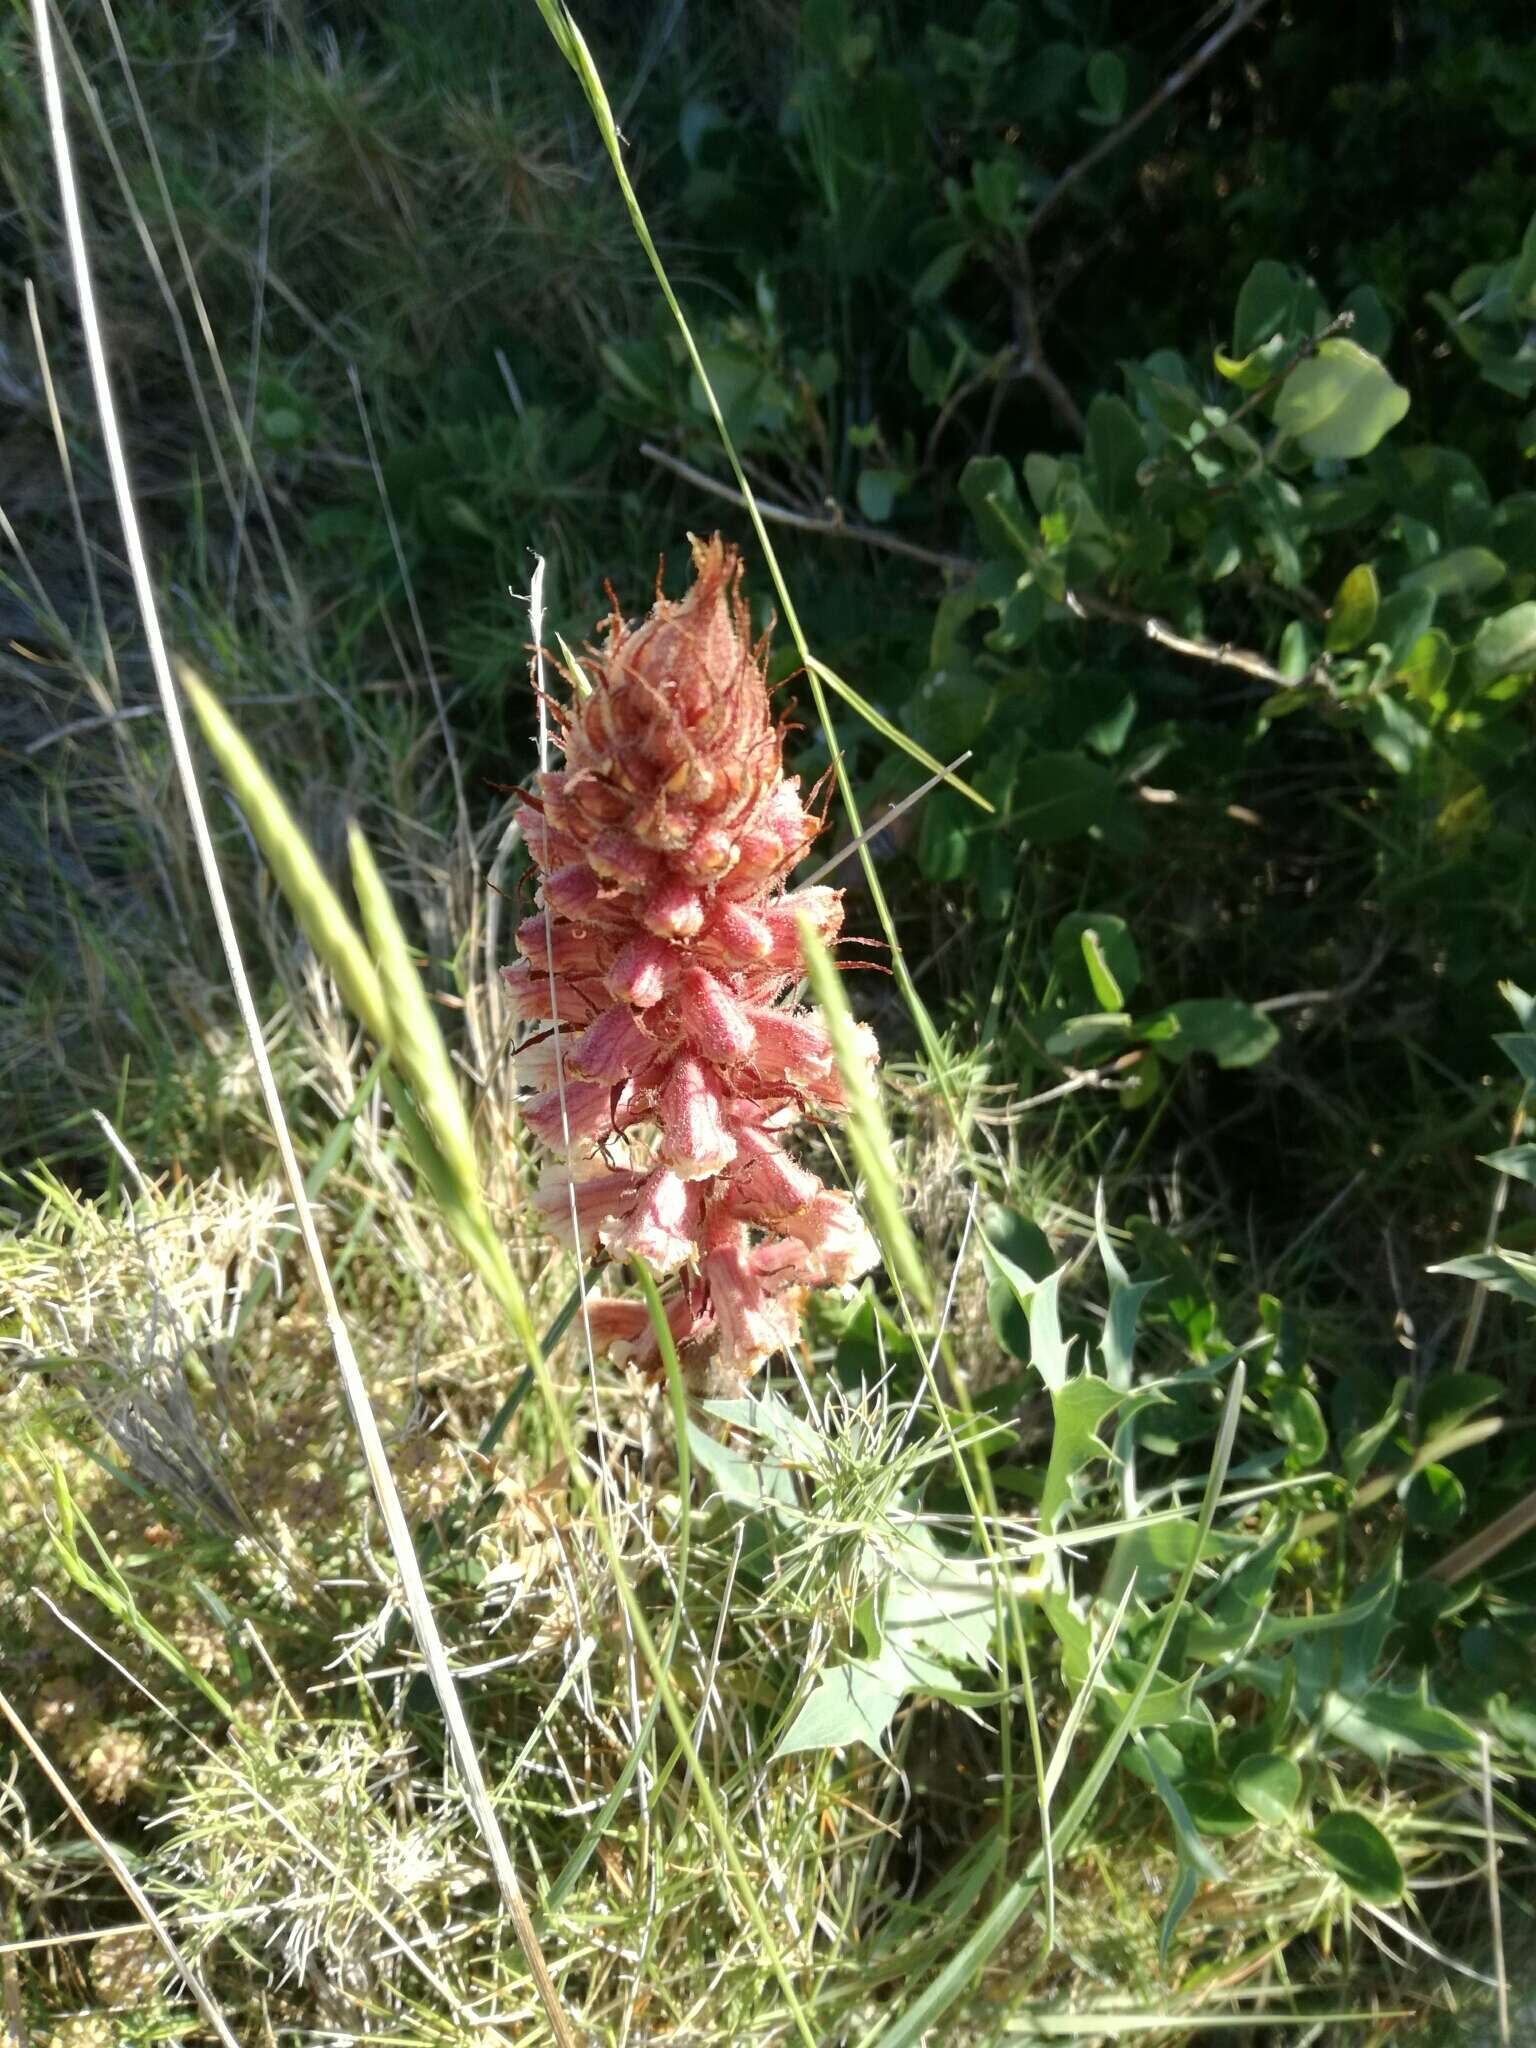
[(662, 960)]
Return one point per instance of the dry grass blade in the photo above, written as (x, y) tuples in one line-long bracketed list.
[(121, 1872), (396, 1524)]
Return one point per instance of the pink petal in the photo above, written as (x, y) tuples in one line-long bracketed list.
[(753, 1325), (643, 972), (587, 1113), (599, 1197), (529, 993), (694, 1140), (611, 1047), (673, 910), (662, 1228), (715, 1023), (764, 1183)]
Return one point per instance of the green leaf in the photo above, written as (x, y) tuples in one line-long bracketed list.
[(990, 489), (1094, 952), (939, 273), (1505, 645), (877, 491), (1195, 1861), (1115, 447), (1089, 1037), (1264, 306), (1427, 665), (1519, 1048), (1372, 326), (1107, 83), (1517, 1160), (1396, 733), (282, 425), (1356, 1850), (1339, 403), (1353, 613), (1383, 1724), (1025, 1243), (1233, 1032), (853, 1702), (759, 1483), (1268, 1787), (1213, 1809), (1403, 617), (1504, 1271), (1298, 1422), (940, 1604), (1522, 279), (1010, 1323), (1058, 796), (1451, 1397), (1077, 1409), (1436, 1500), (1464, 572), (1040, 475), (1048, 1352)]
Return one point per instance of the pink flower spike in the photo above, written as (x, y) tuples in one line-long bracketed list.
[(662, 1228), (694, 1140), (663, 949)]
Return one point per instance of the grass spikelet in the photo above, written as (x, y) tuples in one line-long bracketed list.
[(410, 1030), (298, 874)]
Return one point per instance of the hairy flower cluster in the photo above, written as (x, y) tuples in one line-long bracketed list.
[(671, 1060)]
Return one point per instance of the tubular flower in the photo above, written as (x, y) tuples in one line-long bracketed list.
[(667, 1054)]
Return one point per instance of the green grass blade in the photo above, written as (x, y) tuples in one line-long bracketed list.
[(877, 720), (869, 1138)]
